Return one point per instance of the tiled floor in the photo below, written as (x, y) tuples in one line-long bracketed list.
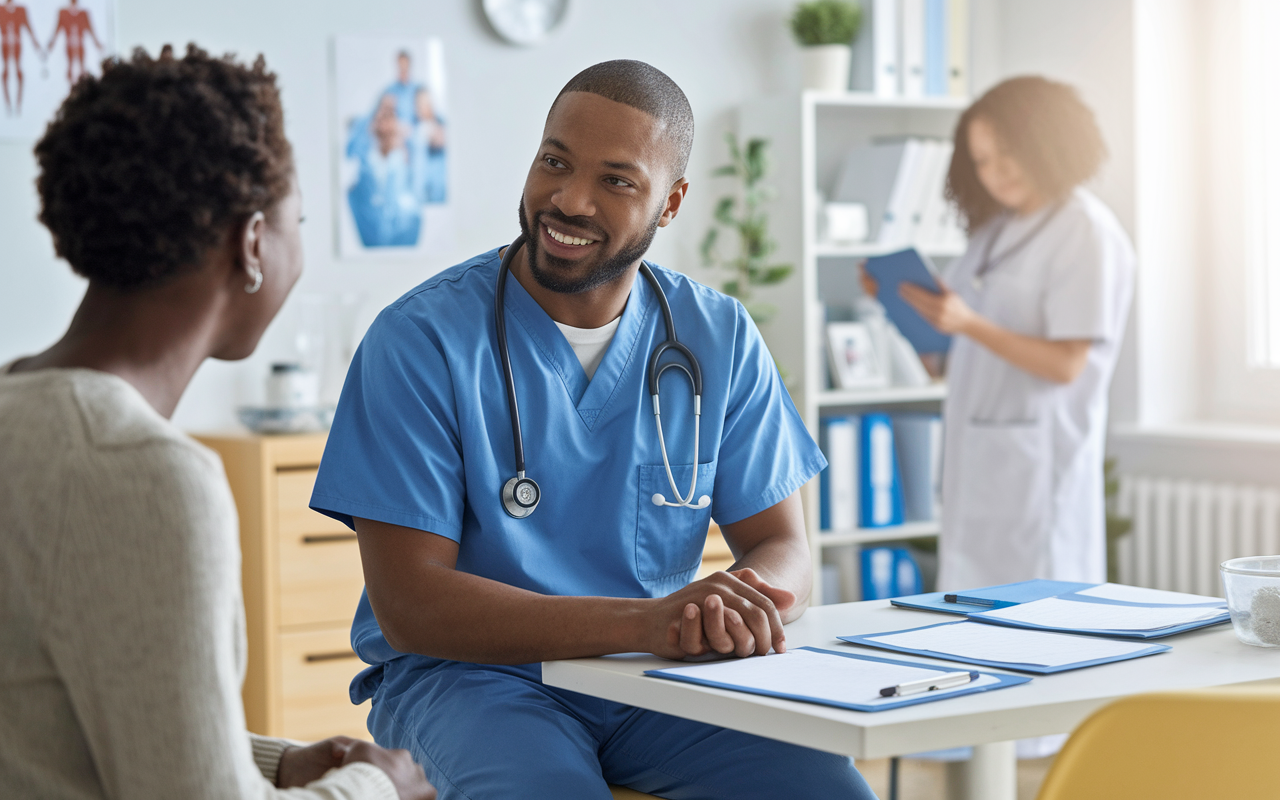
[(927, 780)]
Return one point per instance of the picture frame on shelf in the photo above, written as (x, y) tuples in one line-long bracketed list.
[(855, 360)]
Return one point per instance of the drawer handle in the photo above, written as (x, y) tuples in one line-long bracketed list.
[(312, 658), (326, 538)]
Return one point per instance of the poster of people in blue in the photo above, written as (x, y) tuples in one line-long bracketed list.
[(45, 46), (391, 145)]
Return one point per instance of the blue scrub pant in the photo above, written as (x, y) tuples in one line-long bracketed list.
[(487, 733)]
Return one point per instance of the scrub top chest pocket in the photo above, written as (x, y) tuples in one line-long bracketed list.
[(670, 541)]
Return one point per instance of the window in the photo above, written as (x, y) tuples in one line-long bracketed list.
[(1260, 26)]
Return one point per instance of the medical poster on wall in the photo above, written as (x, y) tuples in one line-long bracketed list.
[(391, 146), (46, 46)]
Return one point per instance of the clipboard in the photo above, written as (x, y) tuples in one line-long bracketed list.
[(1004, 595), (909, 266), (1134, 649), (987, 681)]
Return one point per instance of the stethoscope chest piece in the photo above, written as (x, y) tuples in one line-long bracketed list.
[(520, 496)]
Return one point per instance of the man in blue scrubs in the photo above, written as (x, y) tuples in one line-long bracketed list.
[(463, 600)]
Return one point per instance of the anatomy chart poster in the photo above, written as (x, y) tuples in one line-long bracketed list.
[(47, 45), (391, 146)]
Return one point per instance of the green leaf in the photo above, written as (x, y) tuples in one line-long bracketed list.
[(724, 211), (731, 288), (728, 170), (776, 274), (709, 246)]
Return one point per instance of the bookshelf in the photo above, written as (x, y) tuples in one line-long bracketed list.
[(809, 134)]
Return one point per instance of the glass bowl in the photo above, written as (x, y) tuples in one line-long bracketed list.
[(286, 420), (1252, 585)]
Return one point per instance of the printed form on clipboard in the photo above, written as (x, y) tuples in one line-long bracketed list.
[(826, 677)]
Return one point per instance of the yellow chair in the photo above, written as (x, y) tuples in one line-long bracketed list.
[(1192, 745), (620, 793)]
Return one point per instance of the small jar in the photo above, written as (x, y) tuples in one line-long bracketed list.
[(291, 386)]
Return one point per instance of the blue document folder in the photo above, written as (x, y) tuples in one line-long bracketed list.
[(869, 640), (974, 603), (890, 271), (882, 704), (1002, 596), (1158, 633)]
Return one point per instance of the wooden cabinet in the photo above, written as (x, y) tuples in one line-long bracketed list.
[(302, 579)]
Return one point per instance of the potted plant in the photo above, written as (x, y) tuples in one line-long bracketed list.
[(825, 30), (750, 266)]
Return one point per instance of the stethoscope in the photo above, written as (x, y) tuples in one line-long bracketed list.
[(521, 494), (987, 264)]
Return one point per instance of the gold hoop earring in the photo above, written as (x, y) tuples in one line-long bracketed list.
[(252, 288)]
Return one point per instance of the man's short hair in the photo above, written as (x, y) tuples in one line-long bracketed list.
[(639, 85)]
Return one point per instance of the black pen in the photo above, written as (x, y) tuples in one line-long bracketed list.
[(968, 601), (949, 680)]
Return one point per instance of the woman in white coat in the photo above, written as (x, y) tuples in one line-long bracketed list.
[(1037, 305)]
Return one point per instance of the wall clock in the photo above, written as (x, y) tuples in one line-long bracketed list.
[(525, 22)]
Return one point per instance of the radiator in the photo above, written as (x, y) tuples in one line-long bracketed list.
[(1182, 530)]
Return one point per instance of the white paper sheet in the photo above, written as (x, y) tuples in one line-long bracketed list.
[(821, 676), (1054, 612), (1137, 594), (1009, 645)]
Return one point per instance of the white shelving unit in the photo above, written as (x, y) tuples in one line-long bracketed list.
[(809, 134)]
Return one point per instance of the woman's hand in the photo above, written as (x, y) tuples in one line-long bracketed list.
[(946, 311), (870, 286), (302, 765), (410, 781)]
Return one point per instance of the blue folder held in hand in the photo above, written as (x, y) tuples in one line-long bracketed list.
[(890, 271)]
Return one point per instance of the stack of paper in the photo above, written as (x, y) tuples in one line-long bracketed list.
[(1149, 597), (1108, 619), (992, 646), (843, 680)]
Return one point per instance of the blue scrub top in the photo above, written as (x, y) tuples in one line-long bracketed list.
[(422, 437)]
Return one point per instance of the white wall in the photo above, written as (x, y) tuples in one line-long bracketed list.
[(719, 51)]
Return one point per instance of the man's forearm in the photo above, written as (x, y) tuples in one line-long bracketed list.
[(464, 617)]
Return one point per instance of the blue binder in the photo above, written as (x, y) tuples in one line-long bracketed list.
[(879, 483), (890, 271), (888, 572)]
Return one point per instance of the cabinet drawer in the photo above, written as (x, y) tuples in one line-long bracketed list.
[(316, 668), (320, 574)]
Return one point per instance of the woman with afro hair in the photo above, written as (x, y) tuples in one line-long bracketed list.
[(168, 183)]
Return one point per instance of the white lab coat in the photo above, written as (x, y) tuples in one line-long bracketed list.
[(1022, 459)]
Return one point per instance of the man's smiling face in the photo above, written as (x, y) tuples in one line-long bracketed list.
[(596, 194)]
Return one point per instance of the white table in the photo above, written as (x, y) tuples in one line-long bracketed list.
[(990, 721)]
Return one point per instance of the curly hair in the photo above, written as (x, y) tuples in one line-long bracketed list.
[(1047, 129), (143, 169)]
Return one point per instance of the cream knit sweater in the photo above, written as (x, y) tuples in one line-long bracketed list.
[(121, 621)]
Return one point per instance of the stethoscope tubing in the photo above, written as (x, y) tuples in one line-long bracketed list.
[(654, 371), (987, 264)]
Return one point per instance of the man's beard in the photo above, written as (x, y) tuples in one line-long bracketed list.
[(606, 272)]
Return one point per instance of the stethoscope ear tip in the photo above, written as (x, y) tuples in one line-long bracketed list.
[(659, 500)]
